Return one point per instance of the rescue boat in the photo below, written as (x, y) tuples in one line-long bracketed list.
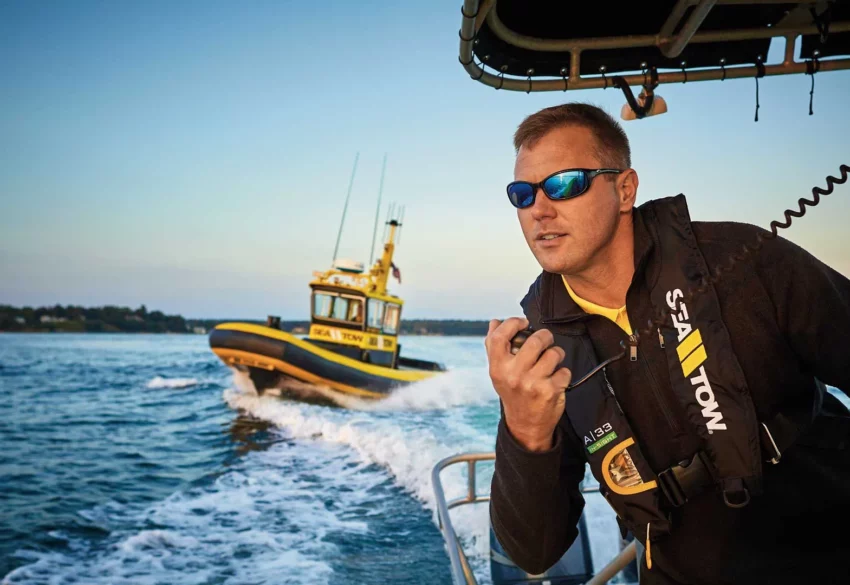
[(351, 350)]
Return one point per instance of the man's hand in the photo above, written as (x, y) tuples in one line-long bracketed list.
[(529, 383)]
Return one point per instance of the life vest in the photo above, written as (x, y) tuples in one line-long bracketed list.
[(706, 379)]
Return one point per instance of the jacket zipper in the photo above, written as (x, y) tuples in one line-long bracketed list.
[(633, 356), (633, 343), (665, 409)]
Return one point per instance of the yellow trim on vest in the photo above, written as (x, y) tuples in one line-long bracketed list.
[(623, 491), (648, 549)]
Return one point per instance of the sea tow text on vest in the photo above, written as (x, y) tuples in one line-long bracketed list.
[(692, 355)]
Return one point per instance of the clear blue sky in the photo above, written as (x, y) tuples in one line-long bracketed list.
[(194, 156)]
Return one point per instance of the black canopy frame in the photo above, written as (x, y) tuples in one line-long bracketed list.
[(530, 45)]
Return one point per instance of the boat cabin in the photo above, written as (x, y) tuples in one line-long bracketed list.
[(349, 321), (352, 314)]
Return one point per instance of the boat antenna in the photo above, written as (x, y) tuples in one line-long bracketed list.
[(400, 225), (377, 210), (387, 223), (345, 208)]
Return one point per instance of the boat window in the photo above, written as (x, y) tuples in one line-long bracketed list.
[(340, 310), (322, 305), (376, 313), (391, 320), (355, 311)]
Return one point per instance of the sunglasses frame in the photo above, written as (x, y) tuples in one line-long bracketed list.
[(591, 174)]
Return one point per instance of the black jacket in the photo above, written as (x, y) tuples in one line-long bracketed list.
[(788, 316)]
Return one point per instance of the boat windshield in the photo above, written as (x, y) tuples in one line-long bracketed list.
[(355, 311), (375, 315), (340, 310), (333, 306), (322, 305), (391, 319)]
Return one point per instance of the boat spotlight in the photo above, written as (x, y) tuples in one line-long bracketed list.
[(647, 102), (657, 105)]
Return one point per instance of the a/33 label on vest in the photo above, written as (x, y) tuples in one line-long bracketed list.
[(692, 355), (599, 437)]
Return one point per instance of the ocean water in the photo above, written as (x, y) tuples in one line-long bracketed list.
[(144, 460)]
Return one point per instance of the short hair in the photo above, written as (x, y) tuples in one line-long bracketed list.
[(612, 143)]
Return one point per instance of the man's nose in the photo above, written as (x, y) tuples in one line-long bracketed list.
[(543, 208)]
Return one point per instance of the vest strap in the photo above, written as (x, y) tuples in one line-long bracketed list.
[(690, 478), (682, 482)]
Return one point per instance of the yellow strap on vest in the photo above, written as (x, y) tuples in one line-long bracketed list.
[(648, 555)]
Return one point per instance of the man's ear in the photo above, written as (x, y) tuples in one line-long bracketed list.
[(627, 186)]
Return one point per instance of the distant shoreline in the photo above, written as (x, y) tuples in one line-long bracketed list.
[(114, 319), (190, 333)]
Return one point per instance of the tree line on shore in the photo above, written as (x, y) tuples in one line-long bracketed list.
[(115, 319)]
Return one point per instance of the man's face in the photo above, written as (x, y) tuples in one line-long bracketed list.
[(584, 225)]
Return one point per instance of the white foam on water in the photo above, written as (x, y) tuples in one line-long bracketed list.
[(452, 389), (408, 454), (243, 382), (449, 390), (268, 519), (272, 516), (157, 539), (159, 383)]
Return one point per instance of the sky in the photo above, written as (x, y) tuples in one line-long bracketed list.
[(194, 156)]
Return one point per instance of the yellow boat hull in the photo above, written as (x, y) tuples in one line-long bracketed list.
[(280, 360)]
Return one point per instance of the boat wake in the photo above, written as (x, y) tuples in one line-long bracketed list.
[(253, 524), (406, 446), (159, 382), (454, 388)]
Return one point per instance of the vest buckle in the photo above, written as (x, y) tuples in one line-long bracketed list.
[(685, 480), (735, 493), (670, 487)]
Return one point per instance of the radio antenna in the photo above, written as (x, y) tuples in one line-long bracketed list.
[(377, 210), (400, 224), (345, 208)]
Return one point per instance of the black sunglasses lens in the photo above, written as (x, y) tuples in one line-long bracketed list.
[(521, 194), (565, 185)]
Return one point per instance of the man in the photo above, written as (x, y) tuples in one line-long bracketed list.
[(710, 431)]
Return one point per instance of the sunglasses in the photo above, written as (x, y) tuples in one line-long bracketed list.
[(558, 186)]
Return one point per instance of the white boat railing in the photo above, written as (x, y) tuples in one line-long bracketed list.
[(461, 571)]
